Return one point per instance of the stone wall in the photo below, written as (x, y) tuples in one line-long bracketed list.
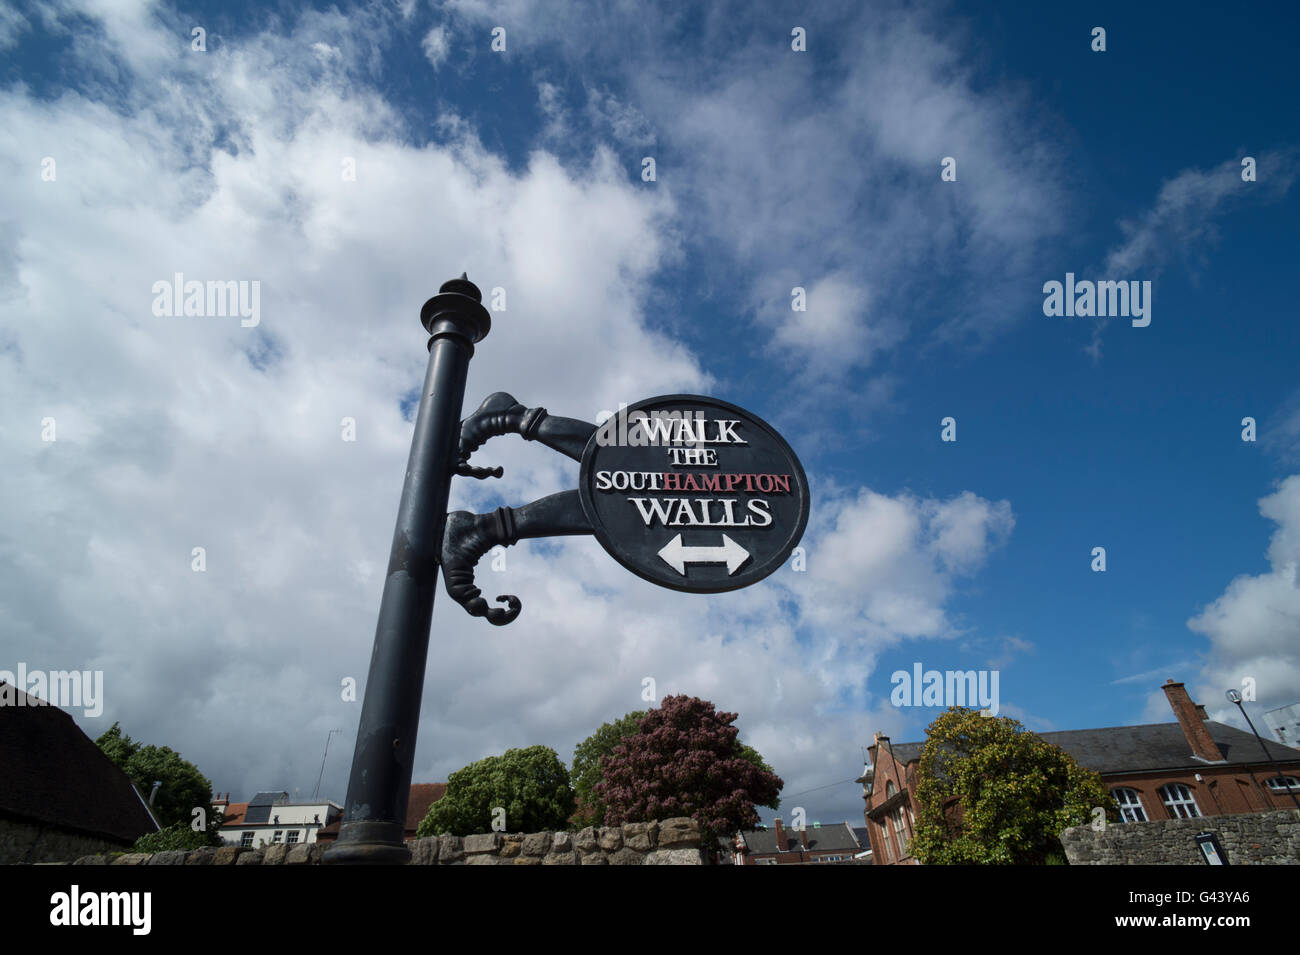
[(1258, 838), (670, 842), (52, 844)]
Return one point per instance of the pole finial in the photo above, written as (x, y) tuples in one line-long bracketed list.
[(462, 286)]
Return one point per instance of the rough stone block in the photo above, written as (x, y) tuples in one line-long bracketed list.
[(298, 855), (640, 835), (626, 857), (562, 842), (526, 860), (585, 840), (674, 857), (560, 858), (229, 855), (131, 858), (275, 855), (203, 856), (425, 851), (482, 842), (594, 858), (610, 838), (168, 857), (511, 845), (680, 831), (92, 860), (449, 849), (250, 858), (536, 843)]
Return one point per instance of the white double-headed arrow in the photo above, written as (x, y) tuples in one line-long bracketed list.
[(677, 555)]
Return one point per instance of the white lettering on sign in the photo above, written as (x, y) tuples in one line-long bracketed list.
[(701, 511), (714, 499), (696, 457)]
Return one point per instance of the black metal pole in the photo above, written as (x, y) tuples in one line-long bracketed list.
[(1276, 764), (374, 814)]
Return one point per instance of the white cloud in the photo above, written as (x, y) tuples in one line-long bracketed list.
[(436, 45), (170, 437), (1254, 626), (1182, 220), (12, 25), (803, 176)]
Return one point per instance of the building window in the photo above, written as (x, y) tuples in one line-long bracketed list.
[(1130, 805), (246, 839), (293, 836), (276, 837), (884, 838), (899, 831), (1178, 800), (1280, 784)]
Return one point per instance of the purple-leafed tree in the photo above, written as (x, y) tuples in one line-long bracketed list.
[(686, 760)]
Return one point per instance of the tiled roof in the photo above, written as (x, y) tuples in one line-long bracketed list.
[(1132, 749), (835, 836), (1127, 749), (52, 772), (423, 795), (235, 813)]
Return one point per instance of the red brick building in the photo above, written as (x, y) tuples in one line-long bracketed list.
[(1186, 769)]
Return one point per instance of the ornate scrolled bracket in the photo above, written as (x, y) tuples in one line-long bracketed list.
[(468, 537), (498, 414), (501, 414)]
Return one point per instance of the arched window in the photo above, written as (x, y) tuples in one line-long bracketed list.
[(1179, 801), (890, 789), (1130, 804)]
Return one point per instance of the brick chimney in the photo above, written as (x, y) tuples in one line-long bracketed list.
[(803, 836), (1192, 719), (780, 836)]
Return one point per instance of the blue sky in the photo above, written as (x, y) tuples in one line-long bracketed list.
[(774, 169)]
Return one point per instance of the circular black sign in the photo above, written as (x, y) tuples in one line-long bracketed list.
[(693, 493)]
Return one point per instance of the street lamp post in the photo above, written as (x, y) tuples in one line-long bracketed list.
[(374, 816), (1235, 697)]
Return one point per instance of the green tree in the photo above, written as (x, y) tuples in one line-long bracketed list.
[(586, 772), (531, 785), (748, 752), (178, 835), (183, 788), (990, 792)]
